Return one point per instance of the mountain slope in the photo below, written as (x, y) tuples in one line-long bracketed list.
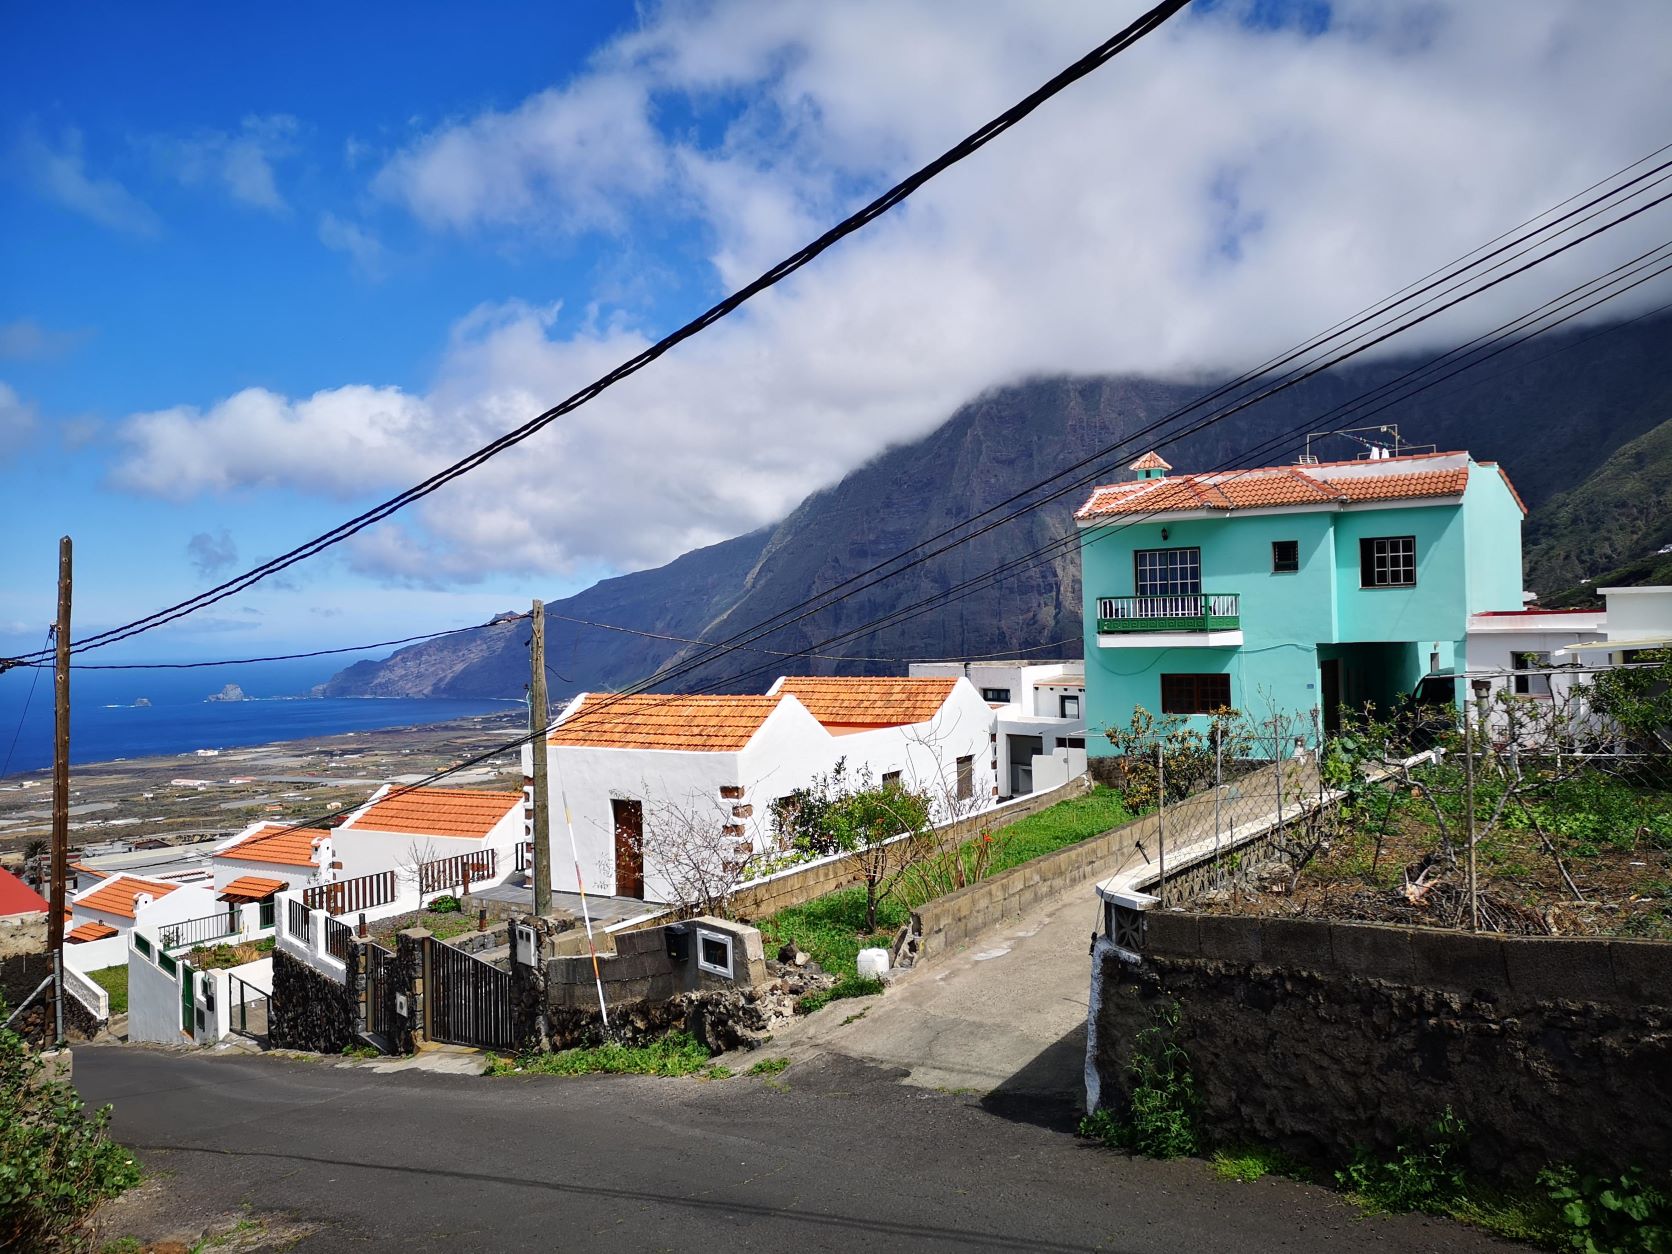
[(1552, 412)]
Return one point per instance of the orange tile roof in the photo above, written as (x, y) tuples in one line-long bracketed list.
[(867, 701), (89, 870), (116, 895), (277, 843), (467, 813), (89, 932), (1276, 486), (692, 722), (252, 888), (1150, 461)]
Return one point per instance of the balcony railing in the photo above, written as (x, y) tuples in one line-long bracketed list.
[(1197, 611)]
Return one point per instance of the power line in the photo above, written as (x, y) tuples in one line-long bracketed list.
[(966, 588), (12, 748), (882, 204)]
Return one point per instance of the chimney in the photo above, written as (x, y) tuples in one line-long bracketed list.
[(1150, 466)]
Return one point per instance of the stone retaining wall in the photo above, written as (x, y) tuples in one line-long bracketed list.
[(1318, 1036), (792, 888), (309, 1010), (940, 926)]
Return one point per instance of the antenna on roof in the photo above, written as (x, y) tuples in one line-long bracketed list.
[(1378, 442)]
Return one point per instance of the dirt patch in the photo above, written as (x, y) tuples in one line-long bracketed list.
[(153, 1219), (1602, 871)]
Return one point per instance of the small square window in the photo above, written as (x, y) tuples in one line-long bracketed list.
[(1068, 707), (1388, 562), (999, 696), (891, 779), (1285, 557), (714, 953)]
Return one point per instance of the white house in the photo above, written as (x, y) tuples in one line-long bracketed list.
[(631, 770), (267, 858), (1039, 711), (401, 827), (102, 916)]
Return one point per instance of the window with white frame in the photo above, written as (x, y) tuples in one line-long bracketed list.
[(1168, 572), (1388, 561), (714, 953), (1068, 706)]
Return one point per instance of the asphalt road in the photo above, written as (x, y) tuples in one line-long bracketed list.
[(840, 1157)]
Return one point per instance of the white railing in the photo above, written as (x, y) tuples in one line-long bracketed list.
[(1187, 605)]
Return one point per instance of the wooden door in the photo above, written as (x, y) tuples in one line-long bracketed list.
[(629, 847)]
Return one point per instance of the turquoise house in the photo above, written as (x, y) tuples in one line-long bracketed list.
[(1290, 589)]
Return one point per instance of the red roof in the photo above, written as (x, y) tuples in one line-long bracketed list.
[(90, 931), (277, 843), (117, 894), (16, 897), (251, 888), (869, 701), (1265, 487), (691, 722), (467, 813), (1150, 461)]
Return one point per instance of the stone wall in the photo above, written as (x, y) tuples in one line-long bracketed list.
[(308, 1010), (946, 923), (791, 888), (1317, 1036)]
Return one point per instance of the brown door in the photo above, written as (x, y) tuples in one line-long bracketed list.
[(629, 847)]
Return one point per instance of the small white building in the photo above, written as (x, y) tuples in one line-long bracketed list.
[(1039, 712), (267, 858), (402, 827), (102, 916), (631, 770)]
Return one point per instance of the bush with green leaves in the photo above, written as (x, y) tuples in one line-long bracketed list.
[(57, 1163), (1424, 1173), (444, 904), (1160, 1116), (1610, 1214), (1191, 755)]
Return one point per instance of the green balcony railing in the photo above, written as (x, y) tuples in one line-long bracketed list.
[(1195, 611)]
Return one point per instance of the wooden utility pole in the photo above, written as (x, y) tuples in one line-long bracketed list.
[(542, 788), (60, 777)]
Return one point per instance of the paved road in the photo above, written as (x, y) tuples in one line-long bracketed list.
[(841, 1158)]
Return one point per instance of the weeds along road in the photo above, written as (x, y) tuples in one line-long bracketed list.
[(833, 1155)]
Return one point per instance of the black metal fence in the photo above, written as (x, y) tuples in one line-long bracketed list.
[(337, 939), (382, 983), (247, 1008), (200, 931), (296, 921), (467, 1001)]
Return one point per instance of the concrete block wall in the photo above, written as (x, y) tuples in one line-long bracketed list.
[(639, 968)]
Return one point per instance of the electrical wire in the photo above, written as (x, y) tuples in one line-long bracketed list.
[(12, 748), (1091, 61)]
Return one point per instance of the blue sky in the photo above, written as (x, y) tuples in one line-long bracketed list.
[(261, 268)]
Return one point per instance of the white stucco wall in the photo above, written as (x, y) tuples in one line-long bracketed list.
[(86, 956), (1643, 613), (228, 868), (788, 751), (153, 1004)]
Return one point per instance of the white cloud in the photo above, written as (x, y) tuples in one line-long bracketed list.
[(60, 174), (27, 340), (239, 163), (1208, 198), (357, 242), (18, 420)]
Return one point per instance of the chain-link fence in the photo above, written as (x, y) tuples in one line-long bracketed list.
[(1539, 805)]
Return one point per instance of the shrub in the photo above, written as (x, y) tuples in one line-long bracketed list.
[(56, 1162), (1621, 1214), (676, 1054), (445, 904), (1425, 1172), (1160, 1119), (847, 986)]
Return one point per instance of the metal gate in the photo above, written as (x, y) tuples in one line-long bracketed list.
[(381, 986), (467, 1001)]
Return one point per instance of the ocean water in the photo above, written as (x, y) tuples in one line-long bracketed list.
[(107, 723)]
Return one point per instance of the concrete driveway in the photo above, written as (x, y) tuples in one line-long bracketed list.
[(1003, 1020)]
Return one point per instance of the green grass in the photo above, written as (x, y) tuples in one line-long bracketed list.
[(1253, 1162), (847, 986), (114, 981), (442, 924), (678, 1053), (831, 929), (768, 1066)]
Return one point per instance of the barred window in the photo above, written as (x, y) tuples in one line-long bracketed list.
[(1285, 557), (1195, 694), (1388, 562), (1168, 572)]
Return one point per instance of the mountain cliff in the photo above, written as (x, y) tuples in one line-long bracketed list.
[(1561, 413)]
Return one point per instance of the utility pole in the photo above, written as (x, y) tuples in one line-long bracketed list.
[(542, 789), (60, 783)]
